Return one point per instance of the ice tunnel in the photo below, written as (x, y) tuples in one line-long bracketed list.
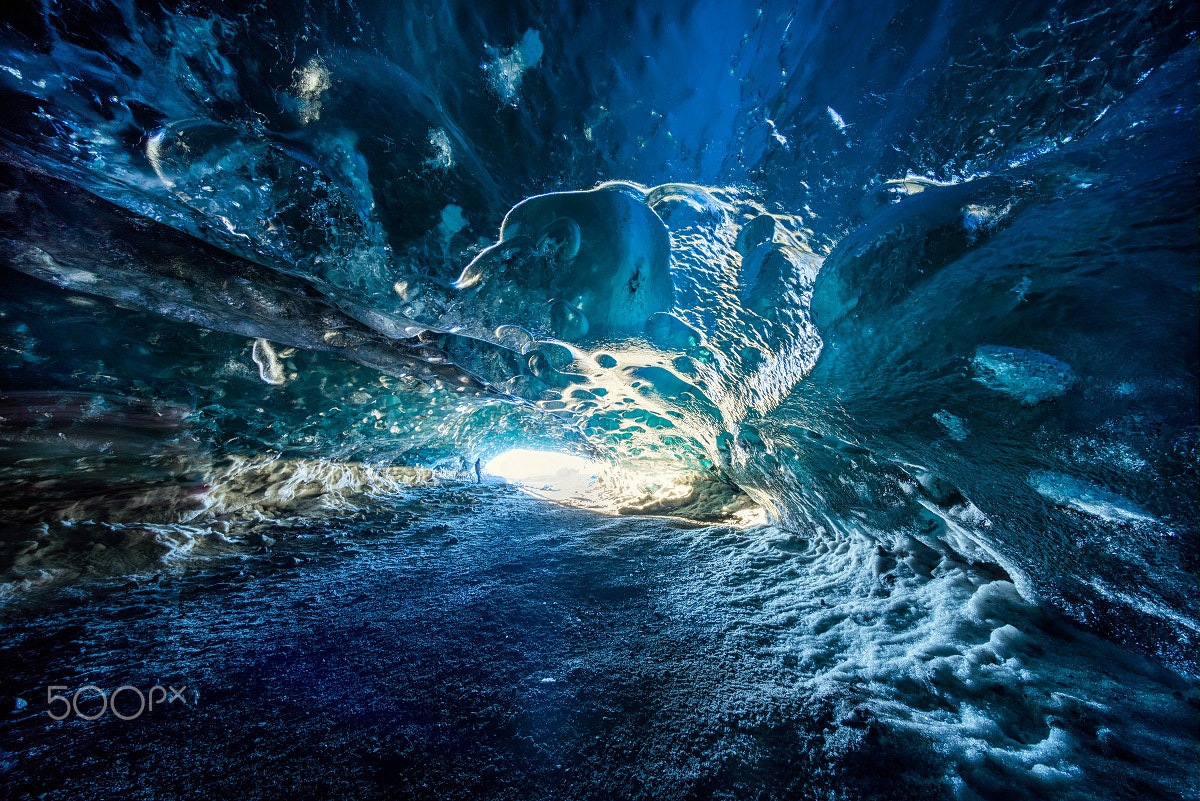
[(542, 468), (663, 400)]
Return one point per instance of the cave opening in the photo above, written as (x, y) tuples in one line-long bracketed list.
[(546, 470)]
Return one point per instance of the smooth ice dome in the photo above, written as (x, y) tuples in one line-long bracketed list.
[(601, 257)]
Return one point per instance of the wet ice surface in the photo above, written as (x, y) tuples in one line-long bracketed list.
[(474, 642)]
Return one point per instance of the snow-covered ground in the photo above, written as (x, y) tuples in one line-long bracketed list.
[(471, 641)]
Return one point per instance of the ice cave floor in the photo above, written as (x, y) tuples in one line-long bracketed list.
[(475, 642)]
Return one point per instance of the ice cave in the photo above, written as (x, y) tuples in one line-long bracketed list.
[(599, 401)]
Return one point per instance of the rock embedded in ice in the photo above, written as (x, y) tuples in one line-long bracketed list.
[(1086, 497), (1027, 375)]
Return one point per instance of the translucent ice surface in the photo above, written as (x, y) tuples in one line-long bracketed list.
[(907, 290)]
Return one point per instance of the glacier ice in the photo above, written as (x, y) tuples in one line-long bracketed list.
[(916, 286)]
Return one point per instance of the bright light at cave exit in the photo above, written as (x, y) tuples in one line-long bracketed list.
[(543, 468)]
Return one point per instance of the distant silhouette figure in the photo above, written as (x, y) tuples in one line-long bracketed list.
[(478, 472)]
